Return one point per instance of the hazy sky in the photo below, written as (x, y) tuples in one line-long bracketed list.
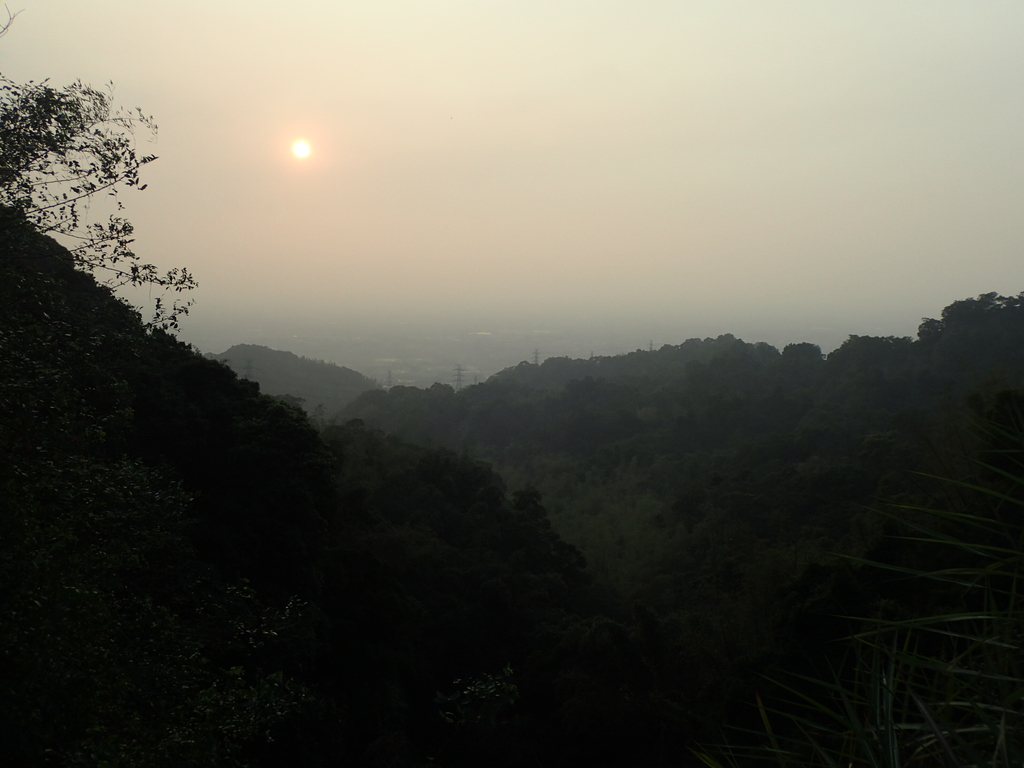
[(708, 165)]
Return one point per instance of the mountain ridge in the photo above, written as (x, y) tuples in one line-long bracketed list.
[(321, 388)]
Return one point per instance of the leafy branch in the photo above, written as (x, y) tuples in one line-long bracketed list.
[(62, 150)]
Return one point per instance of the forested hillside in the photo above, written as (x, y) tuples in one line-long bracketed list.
[(725, 492), (638, 455), (321, 389), (192, 575)]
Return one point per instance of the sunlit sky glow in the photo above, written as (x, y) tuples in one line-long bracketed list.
[(708, 165)]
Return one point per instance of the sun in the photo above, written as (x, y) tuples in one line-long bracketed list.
[(300, 149)]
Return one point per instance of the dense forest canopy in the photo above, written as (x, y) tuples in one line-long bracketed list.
[(581, 562), (630, 451)]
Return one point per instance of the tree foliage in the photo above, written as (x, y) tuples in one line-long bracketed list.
[(65, 152), (121, 645)]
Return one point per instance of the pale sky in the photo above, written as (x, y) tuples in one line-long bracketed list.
[(709, 165)]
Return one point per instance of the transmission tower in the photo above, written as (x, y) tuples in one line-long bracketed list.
[(536, 356), (458, 377)]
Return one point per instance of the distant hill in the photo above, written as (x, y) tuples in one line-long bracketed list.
[(655, 366), (313, 382)]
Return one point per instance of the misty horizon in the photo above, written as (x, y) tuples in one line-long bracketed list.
[(421, 351), (612, 174)]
